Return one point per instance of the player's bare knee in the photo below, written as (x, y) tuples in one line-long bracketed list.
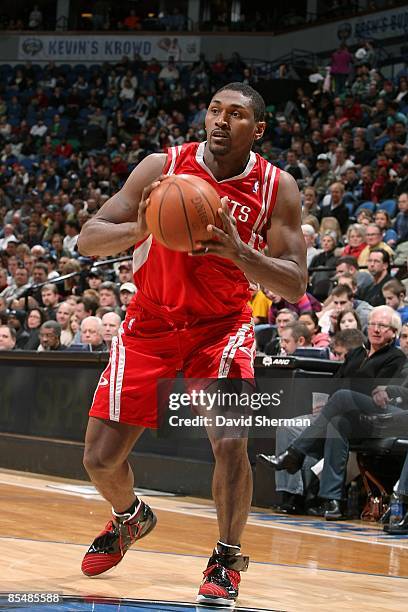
[(96, 460), (229, 449)]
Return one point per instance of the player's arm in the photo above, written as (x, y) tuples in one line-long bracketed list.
[(286, 245), (284, 272), (120, 223)]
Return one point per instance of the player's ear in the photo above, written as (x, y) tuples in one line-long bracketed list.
[(260, 129)]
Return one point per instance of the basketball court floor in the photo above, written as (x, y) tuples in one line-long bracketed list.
[(297, 564)]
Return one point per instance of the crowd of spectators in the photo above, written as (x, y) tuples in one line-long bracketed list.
[(70, 136)]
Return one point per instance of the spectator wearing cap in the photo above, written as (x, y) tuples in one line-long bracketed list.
[(95, 278), (334, 206), (126, 293), (91, 334), (72, 233), (11, 247), (374, 241), (110, 327), (324, 176), (7, 338), (125, 272), (50, 337)]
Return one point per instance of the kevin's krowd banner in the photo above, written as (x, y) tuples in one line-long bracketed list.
[(97, 49)]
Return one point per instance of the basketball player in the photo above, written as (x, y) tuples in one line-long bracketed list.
[(190, 313)]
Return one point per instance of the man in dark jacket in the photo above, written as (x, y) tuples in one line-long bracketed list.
[(339, 420), (335, 207)]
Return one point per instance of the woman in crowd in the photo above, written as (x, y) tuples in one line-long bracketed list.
[(383, 220), (320, 280), (355, 240), (347, 319), (319, 338), (33, 321)]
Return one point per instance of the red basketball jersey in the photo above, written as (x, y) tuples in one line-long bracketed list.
[(197, 288)]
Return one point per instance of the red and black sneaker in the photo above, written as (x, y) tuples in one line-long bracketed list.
[(109, 547), (221, 579)]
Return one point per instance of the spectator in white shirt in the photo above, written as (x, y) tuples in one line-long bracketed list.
[(169, 73), (127, 92), (8, 235), (39, 129), (70, 240), (341, 162)]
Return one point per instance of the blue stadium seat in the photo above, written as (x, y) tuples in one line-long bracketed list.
[(367, 206), (13, 121), (27, 163), (350, 207), (390, 206)]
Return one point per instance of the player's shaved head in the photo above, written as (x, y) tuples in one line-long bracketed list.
[(257, 101)]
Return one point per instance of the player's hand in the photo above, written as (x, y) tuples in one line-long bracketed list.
[(141, 226), (225, 243), (380, 396)]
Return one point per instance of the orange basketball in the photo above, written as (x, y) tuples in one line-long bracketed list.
[(180, 209)]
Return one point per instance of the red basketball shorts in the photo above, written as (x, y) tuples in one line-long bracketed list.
[(150, 350)]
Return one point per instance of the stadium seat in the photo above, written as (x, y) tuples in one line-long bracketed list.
[(390, 206), (27, 163), (350, 207), (367, 206)]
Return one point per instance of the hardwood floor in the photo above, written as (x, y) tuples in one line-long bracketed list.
[(297, 564)]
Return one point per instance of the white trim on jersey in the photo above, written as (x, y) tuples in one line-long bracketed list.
[(119, 376), (231, 348), (117, 362), (263, 209), (270, 189), (112, 380), (175, 152), (141, 253), (200, 160)]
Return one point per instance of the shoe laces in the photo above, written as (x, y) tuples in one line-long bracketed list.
[(222, 575), (128, 533)]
